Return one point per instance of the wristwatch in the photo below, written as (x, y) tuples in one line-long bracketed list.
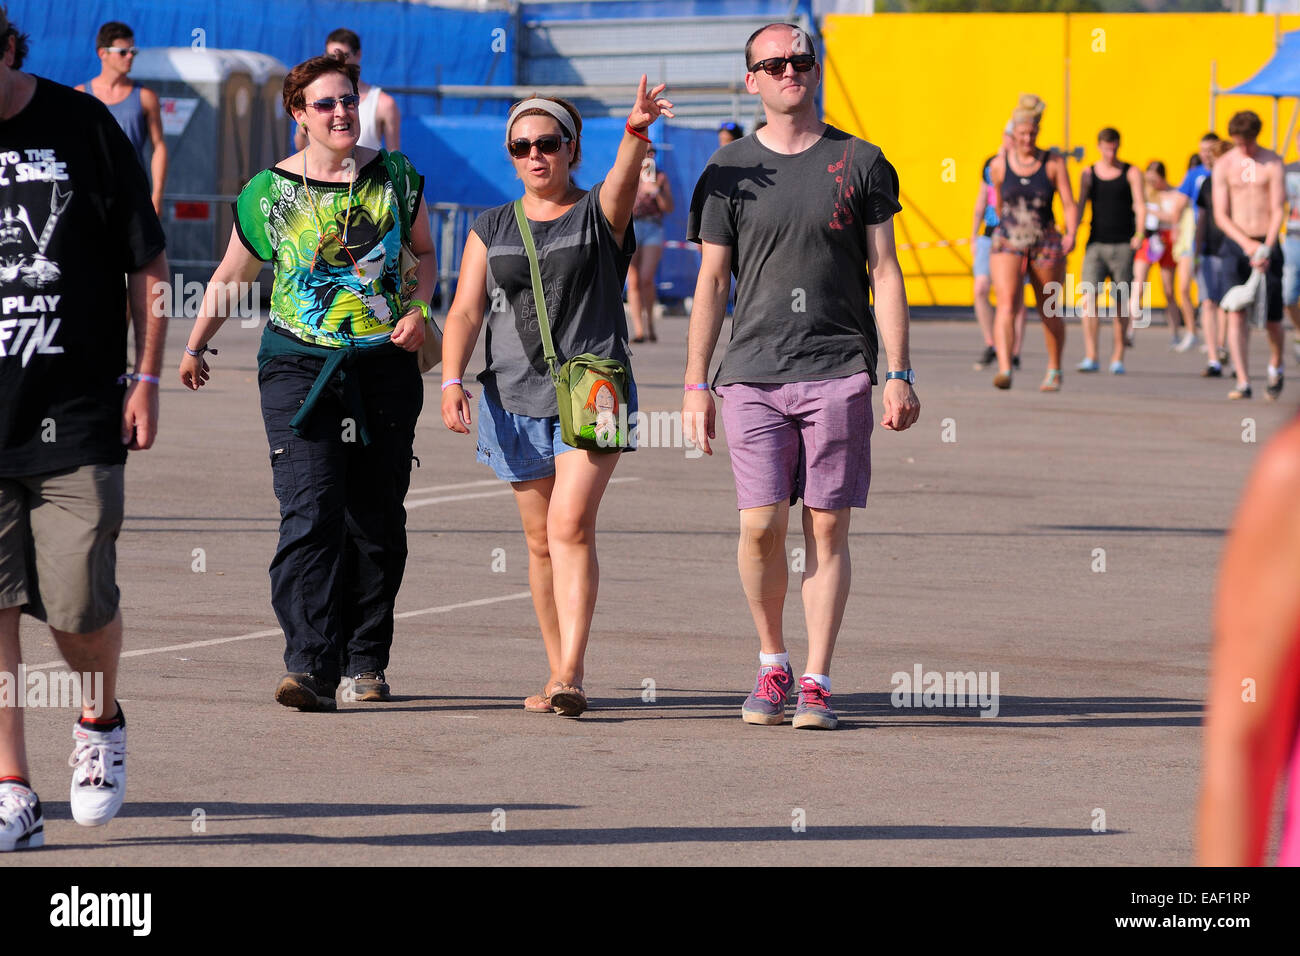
[(906, 375)]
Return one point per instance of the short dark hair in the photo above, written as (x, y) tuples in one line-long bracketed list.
[(1109, 135), (1155, 166), (344, 35), (749, 44), (1245, 124), (20, 46), (110, 31), (308, 72), (1210, 137)]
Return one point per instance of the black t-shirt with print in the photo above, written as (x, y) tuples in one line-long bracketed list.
[(797, 228), (75, 216)]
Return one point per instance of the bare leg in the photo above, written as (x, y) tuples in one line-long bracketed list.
[(649, 267), (984, 308), (826, 581), (1053, 325), (1008, 286), (1238, 343), (1140, 299), (1173, 317), (13, 750), (1275, 343), (534, 501), (1091, 324), (580, 481), (95, 653), (634, 295), (1184, 293), (763, 572), (1212, 330), (1019, 339)]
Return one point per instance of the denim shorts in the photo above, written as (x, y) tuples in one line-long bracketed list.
[(522, 448), (983, 247), (1290, 270), (648, 232)]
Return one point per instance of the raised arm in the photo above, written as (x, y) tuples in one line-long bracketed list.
[(619, 193)]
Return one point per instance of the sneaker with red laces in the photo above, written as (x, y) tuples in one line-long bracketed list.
[(813, 711), (766, 704)]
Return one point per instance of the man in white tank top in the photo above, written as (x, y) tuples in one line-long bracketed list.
[(381, 120)]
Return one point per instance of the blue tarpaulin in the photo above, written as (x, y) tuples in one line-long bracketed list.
[(402, 44), (1280, 75)]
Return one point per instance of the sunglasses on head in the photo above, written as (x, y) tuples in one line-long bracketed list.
[(327, 105), (775, 66), (122, 50), (548, 144)]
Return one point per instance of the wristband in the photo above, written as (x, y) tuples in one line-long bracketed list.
[(455, 381), (636, 132), (420, 306), (701, 387), (199, 353), (137, 377)]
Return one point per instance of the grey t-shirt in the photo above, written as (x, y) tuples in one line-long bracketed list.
[(797, 230), (583, 270)]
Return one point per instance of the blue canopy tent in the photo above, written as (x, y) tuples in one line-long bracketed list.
[(1279, 77)]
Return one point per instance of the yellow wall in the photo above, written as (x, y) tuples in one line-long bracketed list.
[(934, 91)]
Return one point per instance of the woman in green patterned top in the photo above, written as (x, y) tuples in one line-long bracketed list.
[(339, 380)]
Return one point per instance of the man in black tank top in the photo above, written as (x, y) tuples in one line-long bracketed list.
[(1116, 191)]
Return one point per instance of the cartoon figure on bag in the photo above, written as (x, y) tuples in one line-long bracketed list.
[(603, 400)]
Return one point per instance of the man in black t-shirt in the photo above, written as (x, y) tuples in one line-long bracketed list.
[(75, 217), (798, 211)]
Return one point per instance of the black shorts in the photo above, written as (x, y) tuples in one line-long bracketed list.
[(1236, 271)]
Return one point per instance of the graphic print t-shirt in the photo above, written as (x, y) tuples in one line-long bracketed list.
[(336, 258), (797, 228), (75, 217)]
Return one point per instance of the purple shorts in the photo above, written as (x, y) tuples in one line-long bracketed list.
[(809, 440)]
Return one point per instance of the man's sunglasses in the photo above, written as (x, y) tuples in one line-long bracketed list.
[(548, 144), (327, 105), (775, 66), (122, 50)]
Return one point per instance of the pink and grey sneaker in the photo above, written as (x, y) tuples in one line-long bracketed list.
[(766, 705), (813, 711)]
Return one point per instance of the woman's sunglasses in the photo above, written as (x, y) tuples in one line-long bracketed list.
[(548, 144), (327, 105), (775, 66)]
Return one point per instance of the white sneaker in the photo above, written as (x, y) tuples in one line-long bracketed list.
[(1186, 342), (22, 825), (99, 774)]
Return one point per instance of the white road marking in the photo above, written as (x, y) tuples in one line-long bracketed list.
[(272, 632), (478, 494)]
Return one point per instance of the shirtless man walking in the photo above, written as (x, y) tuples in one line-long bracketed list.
[(1248, 199)]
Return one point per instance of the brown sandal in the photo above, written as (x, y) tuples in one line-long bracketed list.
[(541, 703), (568, 700)]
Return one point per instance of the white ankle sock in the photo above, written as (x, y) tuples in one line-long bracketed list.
[(774, 660), (821, 679)]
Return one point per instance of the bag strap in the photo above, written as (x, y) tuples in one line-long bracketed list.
[(399, 189), (539, 297)]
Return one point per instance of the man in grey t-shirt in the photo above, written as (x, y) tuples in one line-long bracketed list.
[(797, 212)]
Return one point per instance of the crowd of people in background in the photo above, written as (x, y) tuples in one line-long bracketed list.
[(1221, 227)]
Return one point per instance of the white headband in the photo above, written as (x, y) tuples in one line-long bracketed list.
[(555, 109)]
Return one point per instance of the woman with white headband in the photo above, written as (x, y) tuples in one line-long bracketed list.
[(584, 243)]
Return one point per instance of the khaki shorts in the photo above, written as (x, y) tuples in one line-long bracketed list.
[(58, 545)]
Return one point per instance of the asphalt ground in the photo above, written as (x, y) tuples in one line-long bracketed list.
[(975, 554)]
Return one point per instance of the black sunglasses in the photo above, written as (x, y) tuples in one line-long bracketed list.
[(775, 66), (548, 144), (327, 105)]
